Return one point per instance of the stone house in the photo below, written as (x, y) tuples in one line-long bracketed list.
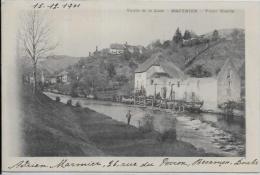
[(158, 76), (229, 83)]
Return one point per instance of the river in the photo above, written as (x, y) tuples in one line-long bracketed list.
[(208, 132)]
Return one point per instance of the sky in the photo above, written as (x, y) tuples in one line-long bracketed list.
[(80, 31)]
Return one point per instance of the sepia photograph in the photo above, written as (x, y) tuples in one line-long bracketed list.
[(133, 81), (176, 96)]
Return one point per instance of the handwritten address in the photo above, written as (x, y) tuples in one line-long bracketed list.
[(166, 162)]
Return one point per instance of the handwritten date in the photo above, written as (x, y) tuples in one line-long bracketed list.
[(54, 6)]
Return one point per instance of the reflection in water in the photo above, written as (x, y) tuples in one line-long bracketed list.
[(205, 131)]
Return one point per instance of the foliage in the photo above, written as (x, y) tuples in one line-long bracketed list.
[(111, 70), (69, 102), (199, 71), (78, 104), (166, 44), (147, 125), (186, 35), (121, 78), (157, 44), (35, 38), (177, 38), (169, 136), (57, 99), (126, 54), (215, 35)]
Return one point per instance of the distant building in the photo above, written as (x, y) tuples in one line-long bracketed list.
[(116, 49), (195, 40), (31, 79), (53, 80), (229, 83), (63, 77)]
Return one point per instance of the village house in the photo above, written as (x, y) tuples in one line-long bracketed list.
[(195, 40), (229, 83), (134, 49), (202, 89), (31, 79), (63, 77), (52, 80), (160, 77), (116, 49)]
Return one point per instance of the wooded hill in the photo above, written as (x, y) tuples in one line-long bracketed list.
[(196, 55)]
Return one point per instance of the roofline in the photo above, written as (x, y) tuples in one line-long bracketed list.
[(146, 69)]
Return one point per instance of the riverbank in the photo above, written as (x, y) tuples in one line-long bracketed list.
[(51, 128), (209, 132)]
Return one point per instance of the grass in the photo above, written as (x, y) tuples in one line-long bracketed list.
[(51, 128)]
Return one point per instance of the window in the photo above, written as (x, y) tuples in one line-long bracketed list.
[(164, 92), (229, 78), (193, 96), (229, 74)]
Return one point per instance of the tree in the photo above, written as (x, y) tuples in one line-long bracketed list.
[(186, 35), (166, 44), (126, 54), (111, 70), (35, 37), (215, 35), (199, 71), (157, 44), (177, 38)]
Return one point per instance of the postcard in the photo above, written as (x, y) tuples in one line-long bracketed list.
[(130, 86)]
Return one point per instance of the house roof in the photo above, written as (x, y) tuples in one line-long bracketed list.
[(227, 63), (63, 73), (159, 60), (159, 74), (117, 46)]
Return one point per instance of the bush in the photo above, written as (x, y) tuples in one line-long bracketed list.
[(147, 124), (199, 71), (57, 99), (69, 102), (78, 104), (169, 136)]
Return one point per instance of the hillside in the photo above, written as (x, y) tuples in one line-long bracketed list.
[(211, 56), (56, 63), (50, 64), (105, 72), (51, 128)]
